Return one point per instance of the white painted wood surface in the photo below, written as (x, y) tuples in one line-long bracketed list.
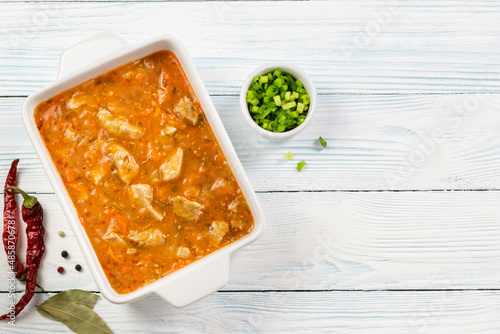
[(394, 227)]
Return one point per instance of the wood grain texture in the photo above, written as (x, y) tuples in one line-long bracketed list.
[(358, 47), (388, 142), (366, 238), (286, 312), (339, 240)]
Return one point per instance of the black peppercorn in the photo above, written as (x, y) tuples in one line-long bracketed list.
[(64, 254), (78, 267)]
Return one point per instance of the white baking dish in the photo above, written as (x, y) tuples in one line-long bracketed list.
[(89, 59)]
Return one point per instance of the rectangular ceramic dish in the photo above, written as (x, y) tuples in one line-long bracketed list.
[(89, 59)]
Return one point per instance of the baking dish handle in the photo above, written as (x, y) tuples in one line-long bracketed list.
[(88, 51), (196, 284)]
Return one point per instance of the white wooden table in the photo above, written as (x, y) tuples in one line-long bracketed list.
[(394, 227)]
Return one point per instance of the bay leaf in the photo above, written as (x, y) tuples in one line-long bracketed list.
[(75, 295), (79, 318)]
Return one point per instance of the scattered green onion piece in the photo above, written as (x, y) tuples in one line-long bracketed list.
[(322, 141), (301, 165), (288, 155)]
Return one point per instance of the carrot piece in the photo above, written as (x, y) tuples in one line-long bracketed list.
[(145, 112), (122, 222), (70, 175), (192, 237)]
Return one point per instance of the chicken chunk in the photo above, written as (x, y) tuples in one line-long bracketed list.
[(238, 223), (118, 125), (111, 234), (142, 194), (171, 168), (187, 110), (183, 251), (187, 209), (219, 183), (217, 231), (75, 101), (233, 206), (168, 131), (151, 237), (96, 175), (114, 238), (125, 163)]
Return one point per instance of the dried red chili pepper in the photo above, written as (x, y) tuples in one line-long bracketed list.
[(32, 214), (9, 235)]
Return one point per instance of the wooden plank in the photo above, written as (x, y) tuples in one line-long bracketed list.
[(338, 240), (276, 312), (389, 142), (367, 47)]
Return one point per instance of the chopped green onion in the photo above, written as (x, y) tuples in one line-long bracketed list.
[(278, 82), (300, 107), (301, 165), (277, 101), (255, 101), (306, 99), (289, 105), (250, 95), (322, 141), (288, 155)]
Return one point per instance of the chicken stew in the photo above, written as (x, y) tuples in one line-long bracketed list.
[(148, 179)]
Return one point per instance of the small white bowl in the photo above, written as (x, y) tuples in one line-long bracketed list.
[(297, 73)]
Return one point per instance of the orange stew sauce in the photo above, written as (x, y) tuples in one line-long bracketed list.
[(144, 170)]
